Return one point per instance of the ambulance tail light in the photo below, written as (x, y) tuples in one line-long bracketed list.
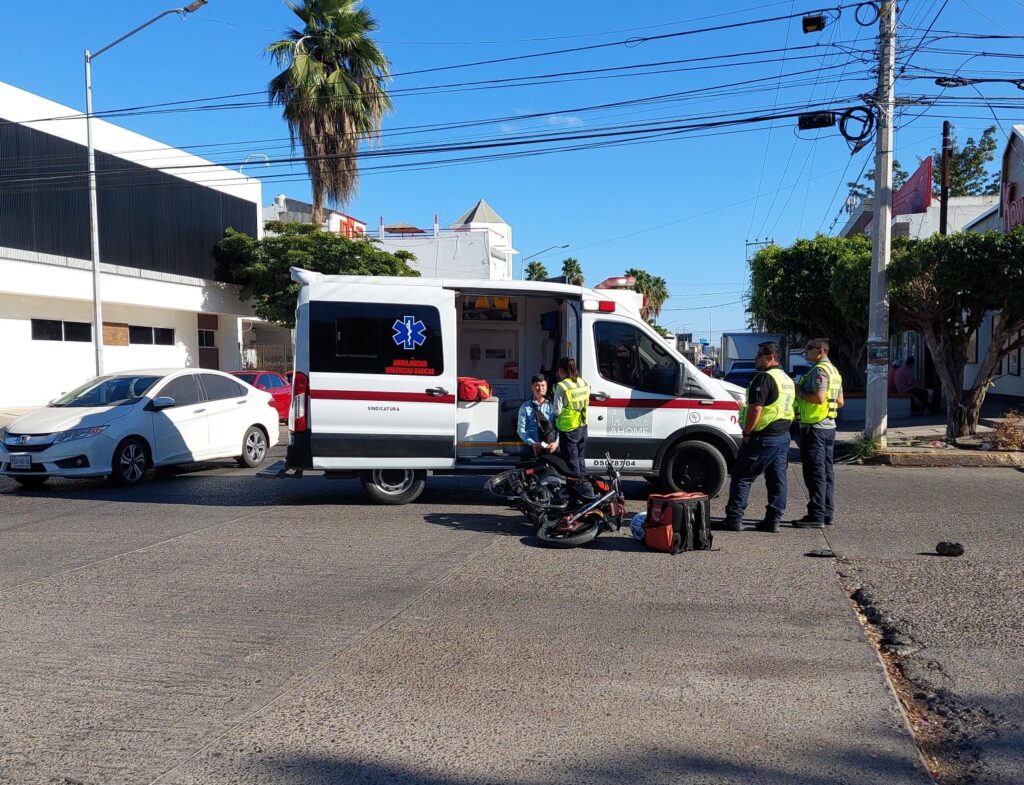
[(604, 306), (300, 402)]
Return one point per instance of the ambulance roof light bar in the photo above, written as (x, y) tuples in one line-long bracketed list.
[(617, 282)]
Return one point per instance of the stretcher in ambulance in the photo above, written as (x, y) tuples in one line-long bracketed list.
[(377, 361)]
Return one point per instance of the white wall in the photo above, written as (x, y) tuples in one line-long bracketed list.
[(38, 371), (455, 255), (1005, 384)]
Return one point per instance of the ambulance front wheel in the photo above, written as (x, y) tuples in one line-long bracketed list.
[(694, 467), (394, 486)]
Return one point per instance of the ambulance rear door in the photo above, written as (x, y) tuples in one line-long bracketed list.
[(382, 361)]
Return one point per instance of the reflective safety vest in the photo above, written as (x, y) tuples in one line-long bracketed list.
[(809, 413), (780, 409), (574, 413)]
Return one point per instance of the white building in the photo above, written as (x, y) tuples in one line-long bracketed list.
[(161, 210), (294, 211), (478, 245)]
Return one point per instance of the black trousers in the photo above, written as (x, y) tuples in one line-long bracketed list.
[(572, 445), (817, 447)]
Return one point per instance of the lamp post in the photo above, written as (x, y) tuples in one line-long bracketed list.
[(94, 231), (523, 260)]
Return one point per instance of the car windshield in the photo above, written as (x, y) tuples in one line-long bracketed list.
[(108, 391), (249, 378)]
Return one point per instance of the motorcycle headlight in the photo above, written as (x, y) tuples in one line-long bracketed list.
[(78, 433)]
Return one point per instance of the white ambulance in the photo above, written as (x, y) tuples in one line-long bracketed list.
[(377, 361)]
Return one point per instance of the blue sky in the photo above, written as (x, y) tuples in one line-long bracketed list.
[(682, 207)]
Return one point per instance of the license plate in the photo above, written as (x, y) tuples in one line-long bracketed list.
[(21, 461)]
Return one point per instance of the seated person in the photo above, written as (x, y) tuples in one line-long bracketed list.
[(536, 425), (904, 381), (892, 377)]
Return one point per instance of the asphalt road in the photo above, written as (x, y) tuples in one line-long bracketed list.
[(215, 627)]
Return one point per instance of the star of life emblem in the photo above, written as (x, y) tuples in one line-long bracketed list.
[(410, 332)]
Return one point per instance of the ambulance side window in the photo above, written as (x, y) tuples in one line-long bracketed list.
[(375, 338), (628, 356)]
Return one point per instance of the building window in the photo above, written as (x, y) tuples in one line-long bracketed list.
[(140, 334), (207, 339), (375, 338), (56, 330), (163, 336)]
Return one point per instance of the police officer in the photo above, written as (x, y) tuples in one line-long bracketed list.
[(765, 421), (572, 396), (819, 399)]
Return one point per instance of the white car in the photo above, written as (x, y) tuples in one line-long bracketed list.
[(125, 423)]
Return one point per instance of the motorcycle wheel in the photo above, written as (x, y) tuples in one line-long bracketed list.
[(548, 534), (499, 485)]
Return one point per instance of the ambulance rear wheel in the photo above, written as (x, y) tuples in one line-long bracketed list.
[(393, 486), (694, 467)]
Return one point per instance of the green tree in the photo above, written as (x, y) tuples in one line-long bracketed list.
[(866, 189), (944, 287), (261, 267), (536, 271), (572, 272), (331, 91), (817, 288), (968, 175), (654, 289)]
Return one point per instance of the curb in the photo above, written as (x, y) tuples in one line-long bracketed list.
[(895, 456)]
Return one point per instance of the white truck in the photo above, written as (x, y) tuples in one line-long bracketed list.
[(740, 349), (377, 361)]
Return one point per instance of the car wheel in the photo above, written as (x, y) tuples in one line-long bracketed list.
[(694, 467), (394, 486), (130, 462), (31, 482), (254, 447)]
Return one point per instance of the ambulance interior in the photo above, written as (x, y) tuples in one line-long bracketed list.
[(505, 340)]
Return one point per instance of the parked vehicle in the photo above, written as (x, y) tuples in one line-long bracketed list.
[(274, 383), (377, 361), (581, 526), (740, 349), (741, 377), (123, 424)]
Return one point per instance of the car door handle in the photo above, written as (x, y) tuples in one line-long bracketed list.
[(240, 403), (706, 403), (600, 396), (436, 391), (198, 411)]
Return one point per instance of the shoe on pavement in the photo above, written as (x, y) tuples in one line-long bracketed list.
[(768, 526), (807, 522), (732, 526)]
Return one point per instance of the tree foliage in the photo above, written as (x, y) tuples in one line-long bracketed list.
[(536, 271), (654, 288), (261, 267), (572, 271), (331, 91), (968, 174), (866, 189), (817, 289), (944, 286)]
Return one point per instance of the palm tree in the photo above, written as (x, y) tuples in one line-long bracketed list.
[(654, 289), (331, 92), (572, 272), (536, 271)]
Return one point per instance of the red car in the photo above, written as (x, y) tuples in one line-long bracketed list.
[(273, 383)]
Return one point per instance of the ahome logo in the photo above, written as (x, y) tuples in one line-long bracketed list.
[(1012, 209)]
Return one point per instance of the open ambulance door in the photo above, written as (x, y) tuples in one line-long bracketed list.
[(382, 376)]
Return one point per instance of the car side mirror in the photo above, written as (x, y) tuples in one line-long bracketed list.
[(162, 402)]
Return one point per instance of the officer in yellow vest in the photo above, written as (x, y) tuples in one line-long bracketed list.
[(818, 401), (765, 420), (572, 396)]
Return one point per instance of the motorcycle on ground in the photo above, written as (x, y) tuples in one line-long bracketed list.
[(541, 489), (603, 513)]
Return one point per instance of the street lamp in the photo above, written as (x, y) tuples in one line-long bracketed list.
[(94, 232), (523, 260)]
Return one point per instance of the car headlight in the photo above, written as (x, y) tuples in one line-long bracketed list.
[(739, 397), (78, 433), (3, 434)]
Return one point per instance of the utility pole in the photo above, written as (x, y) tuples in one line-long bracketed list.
[(877, 402), (947, 150)]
